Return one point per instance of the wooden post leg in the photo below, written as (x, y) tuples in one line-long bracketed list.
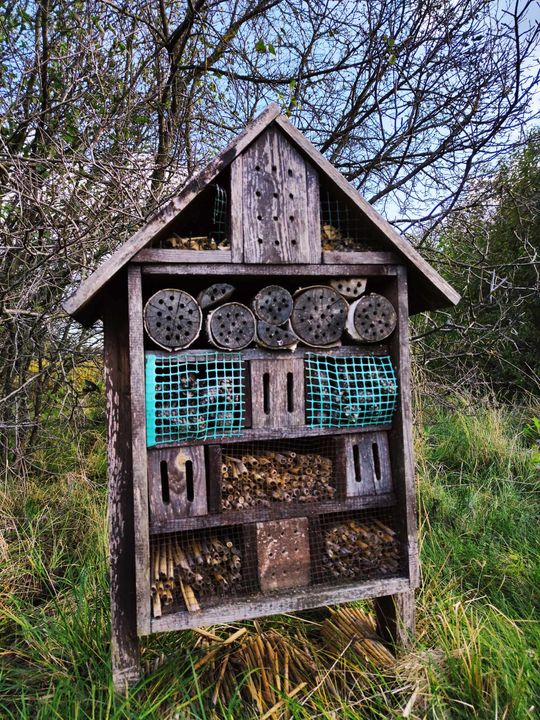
[(124, 639), (396, 618)]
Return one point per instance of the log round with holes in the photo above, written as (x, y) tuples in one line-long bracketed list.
[(319, 315), (211, 296), (350, 288), (273, 304), (231, 326), (373, 318), (275, 337), (172, 319)]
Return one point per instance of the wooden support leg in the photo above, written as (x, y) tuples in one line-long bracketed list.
[(396, 618), (124, 639)]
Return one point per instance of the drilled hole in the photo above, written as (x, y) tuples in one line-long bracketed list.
[(357, 464), (164, 473)]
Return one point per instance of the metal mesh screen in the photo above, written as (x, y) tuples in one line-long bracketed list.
[(353, 391), (193, 396), (219, 214), (342, 228)]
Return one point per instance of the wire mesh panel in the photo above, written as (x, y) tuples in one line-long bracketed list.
[(355, 546), (219, 214), (194, 397), (352, 391), (342, 228)]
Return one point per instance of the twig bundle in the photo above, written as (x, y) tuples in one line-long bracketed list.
[(208, 567), (352, 629), (199, 242), (260, 480), (353, 549)]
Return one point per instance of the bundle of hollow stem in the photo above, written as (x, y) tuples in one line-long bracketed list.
[(207, 566), (262, 479), (350, 628), (354, 549)]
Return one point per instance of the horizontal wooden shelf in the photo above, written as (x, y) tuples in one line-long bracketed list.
[(256, 434), (252, 606), (262, 354), (298, 271), (171, 255), (277, 511)]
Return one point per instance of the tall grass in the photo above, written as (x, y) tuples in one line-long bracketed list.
[(478, 636)]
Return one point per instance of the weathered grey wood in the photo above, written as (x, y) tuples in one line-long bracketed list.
[(213, 478), (168, 255), (400, 436), (165, 216), (271, 383), (215, 294), (236, 215), (273, 304), (274, 205), (429, 285), (283, 556), (291, 601), (276, 512), (172, 319), (368, 257), (350, 288), (138, 434), (365, 480), (178, 505), (313, 210), (231, 326), (396, 617), (262, 354), (372, 318), (277, 271), (124, 640), (319, 315), (275, 337)]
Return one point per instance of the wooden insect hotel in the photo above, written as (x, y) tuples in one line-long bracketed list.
[(258, 398)]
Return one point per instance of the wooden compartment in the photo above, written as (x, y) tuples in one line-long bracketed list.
[(367, 459), (277, 392), (176, 484)]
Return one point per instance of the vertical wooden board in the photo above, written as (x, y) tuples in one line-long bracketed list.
[(214, 459), (171, 496), (277, 392), (396, 617), (275, 220), (313, 198), (382, 475), (124, 640), (236, 232), (368, 464), (138, 434), (283, 554)]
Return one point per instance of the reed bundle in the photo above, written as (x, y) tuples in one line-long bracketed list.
[(351, 629), (208, 566), (353, 549), (260, 480)]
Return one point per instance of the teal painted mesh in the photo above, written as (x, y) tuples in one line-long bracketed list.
[(193, 397), (351, 391)]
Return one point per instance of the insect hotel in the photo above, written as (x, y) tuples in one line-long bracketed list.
[(258, 398)]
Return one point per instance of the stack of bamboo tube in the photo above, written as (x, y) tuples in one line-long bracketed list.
[(352, 629), (209, 567), (353, 549), (250, 480), (199, 242)]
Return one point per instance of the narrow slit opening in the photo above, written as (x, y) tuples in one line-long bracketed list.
[(290, 392), (266, 393), (189, 480), (376, 460), (357, 466), (164, 472)]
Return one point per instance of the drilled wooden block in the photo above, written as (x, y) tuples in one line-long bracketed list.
[(283, 554), (277, 393), (367, 460), (176, 483)]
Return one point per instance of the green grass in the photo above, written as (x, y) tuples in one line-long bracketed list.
[(476, 653)]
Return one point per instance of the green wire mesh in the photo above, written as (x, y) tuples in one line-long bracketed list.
[(193, 397), (341, 227), (349, 391), (219, 214)]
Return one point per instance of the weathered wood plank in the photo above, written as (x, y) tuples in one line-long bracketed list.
[(236, 212), (276, 512), (428, 282), (277, 392), (292, 601), (171, 471), (124, 640), (168, 255), (368, 473), (335, 257), (278, 271), (301, 352), (313, 210), (396, 617), (275, 207), (75, 304), (138, 432)]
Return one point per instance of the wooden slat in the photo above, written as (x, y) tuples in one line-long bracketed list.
[(277, 371), (369, 481), (437, 290), (293, 601), (168, 255), (359, 258), (240, 270), (165, 215), (178, 504), (236, 224), (275, 512), (396, 617), (138, 433), (124, 640), (262, 354)]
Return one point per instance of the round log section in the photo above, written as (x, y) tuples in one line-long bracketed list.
[(172, 319), (319, 315), (273, 304), (274, 337), (373, 318), (211, 296), (350, 288), (231, 326)]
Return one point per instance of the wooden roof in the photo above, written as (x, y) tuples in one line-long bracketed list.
[(427, 289)]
